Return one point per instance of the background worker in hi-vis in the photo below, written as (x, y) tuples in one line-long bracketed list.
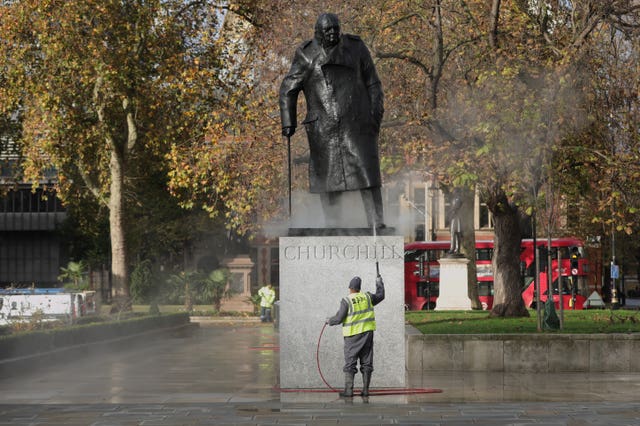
[(358, 324), (267, 297)]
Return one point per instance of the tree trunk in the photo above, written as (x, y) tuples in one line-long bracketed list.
[(188, 302), (121, 299), (468, 244), (507, 300), (495, 17)]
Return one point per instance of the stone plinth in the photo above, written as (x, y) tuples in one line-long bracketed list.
[(454, 294), (314, 277), (240, 268)]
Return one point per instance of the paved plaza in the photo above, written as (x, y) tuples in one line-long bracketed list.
[(226, 373)]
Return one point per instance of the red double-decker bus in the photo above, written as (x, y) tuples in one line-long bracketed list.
[(422, 272)]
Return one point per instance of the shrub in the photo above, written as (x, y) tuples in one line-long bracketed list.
[(142, 282)]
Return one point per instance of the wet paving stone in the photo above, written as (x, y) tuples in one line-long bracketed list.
[(214, 377)]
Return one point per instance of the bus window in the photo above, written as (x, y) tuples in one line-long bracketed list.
[(434, 255), (485, 288), (484, 254), (413, 255), (566, 285), (564, 252)]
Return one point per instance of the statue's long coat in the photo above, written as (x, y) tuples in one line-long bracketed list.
[(344, 110)]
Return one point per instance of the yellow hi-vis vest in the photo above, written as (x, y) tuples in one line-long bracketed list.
[(267, 296), (360, 317)]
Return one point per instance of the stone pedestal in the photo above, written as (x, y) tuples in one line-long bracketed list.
[(314, 277), (240, 268), (454, 294)]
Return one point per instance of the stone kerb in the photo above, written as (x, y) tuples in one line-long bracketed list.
[(314, 277), (518, 353)]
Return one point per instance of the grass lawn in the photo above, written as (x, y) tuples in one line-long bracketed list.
[(478, 322), (473, 322)]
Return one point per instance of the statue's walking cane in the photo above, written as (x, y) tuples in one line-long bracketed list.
[(289, 167)]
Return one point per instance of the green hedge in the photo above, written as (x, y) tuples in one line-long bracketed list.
[(33, 342)]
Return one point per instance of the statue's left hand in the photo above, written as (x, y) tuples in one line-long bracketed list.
[(288, 131)]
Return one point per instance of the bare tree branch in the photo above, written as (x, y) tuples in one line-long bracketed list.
[(411, 59)]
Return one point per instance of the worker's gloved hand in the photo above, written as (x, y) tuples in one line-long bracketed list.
[(288, 131), (379, 279), (326, 321)]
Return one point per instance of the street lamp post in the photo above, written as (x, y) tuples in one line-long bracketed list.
[(433, 192), (615, 302), (536, 262)]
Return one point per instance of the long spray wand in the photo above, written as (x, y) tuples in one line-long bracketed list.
[(375, 250)]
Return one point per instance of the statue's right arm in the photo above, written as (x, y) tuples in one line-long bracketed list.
[(289, 90)]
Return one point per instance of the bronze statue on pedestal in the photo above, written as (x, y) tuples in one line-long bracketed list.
[(344, 111)]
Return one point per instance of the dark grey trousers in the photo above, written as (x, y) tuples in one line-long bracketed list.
[(358, 347)]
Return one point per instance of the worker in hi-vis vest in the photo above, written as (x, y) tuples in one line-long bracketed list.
[(358, 324), (267, 297)]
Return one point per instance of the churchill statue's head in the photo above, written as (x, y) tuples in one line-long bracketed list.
[(327, 30)]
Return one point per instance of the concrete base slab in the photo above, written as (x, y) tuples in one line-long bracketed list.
[(314, 277)]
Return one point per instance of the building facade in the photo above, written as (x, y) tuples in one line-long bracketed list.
[(30, 251)]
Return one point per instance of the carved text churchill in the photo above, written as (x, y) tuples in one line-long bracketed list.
[(347, 252)]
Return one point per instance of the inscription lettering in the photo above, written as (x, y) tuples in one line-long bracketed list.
[(347, 252)]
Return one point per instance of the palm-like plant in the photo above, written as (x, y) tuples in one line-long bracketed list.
[(216, 287), (74, 275), (185, 281)]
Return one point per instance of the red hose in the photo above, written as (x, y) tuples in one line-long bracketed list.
[(386, 391), (318, 359)]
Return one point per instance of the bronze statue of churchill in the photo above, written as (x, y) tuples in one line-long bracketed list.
[(344, 110)]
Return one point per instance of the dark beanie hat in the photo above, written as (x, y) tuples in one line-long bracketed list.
[(355, 283)]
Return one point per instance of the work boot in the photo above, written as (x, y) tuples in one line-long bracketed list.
[(348, 385), (366, 379)]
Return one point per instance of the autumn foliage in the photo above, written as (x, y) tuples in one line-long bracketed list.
[(525, 101)]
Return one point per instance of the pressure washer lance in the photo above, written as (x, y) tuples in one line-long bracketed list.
[(375, 250)]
